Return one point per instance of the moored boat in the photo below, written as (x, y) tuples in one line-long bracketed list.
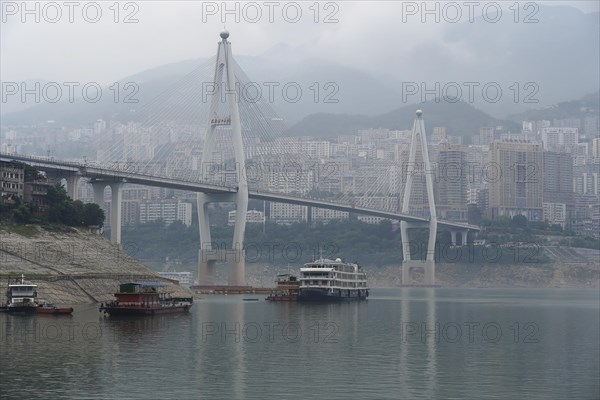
[(21, 297), (145, 298), (332, 280), (287, 289), (48, 308)]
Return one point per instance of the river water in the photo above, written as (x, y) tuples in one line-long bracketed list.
[(410, 343)]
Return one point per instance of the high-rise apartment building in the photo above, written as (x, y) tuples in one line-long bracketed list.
[(516, 183), (452, 182)]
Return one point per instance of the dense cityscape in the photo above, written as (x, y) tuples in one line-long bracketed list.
[(547, 172)]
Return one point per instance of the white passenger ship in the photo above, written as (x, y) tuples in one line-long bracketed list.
[(329, 280)]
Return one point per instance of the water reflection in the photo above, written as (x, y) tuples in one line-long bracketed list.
[(418, 331), (410, 343)]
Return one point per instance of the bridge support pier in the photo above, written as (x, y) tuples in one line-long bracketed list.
[(408, 264), (419, 140), (115, 211), (73, 186), (116, 189), (210, 252), (71, 178), (453, 238), (98, 188), (224, 73), (207, 259), (463, 237)]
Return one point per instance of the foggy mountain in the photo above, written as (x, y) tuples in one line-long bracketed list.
[(460, 119), (504, 53), (584, 107)]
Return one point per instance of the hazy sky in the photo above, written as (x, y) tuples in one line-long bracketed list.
[(171, 31)]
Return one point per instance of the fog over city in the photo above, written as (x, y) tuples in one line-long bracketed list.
[(382, 44)]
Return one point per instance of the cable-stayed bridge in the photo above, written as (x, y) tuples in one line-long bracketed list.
[(218, 136), (72, 171)]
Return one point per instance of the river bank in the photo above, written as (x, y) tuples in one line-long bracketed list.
[(456, 275), (71, 266), (75, 266)]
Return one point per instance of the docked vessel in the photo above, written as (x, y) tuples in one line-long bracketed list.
[(49, 308), (287, 289), (21, 297), (329, 280), (145, 298)]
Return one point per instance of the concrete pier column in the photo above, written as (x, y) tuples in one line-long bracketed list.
[(207, 273), (73, 186), (236, 265), (405, 240), (419, 141), (210, 253), (453, 238), (115, 211), (207, 256), (224, 71), (465, 235), (98, 188)]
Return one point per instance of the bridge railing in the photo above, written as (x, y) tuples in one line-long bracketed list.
[(86, 169)]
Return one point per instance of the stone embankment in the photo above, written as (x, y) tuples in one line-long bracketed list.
[(548, 275), (70, 266)]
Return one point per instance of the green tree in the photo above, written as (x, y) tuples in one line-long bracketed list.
[(519, 221), (71, 213), (56, 195), (474, 215), (93, 215)]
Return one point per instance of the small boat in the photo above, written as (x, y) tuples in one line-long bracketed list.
[(145, 298), (250, 299), (286, 290), (49, 308), (21, 297), (332, 280)]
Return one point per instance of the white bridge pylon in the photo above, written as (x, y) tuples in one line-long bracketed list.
[(225, 84), (428, 265)]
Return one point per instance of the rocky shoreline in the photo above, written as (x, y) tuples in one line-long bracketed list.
[(455, 275), (70, 266), (74, 266)]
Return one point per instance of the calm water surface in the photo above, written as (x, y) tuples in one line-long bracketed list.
[(407, 343)]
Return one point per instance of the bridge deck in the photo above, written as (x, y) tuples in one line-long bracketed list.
[(115, 174)]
